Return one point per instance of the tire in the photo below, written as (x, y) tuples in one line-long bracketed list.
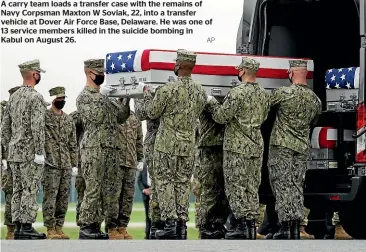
[(353, 220)]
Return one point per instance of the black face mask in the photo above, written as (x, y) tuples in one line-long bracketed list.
[(59, 104), (99, 79), (176, 68), (37, 81)]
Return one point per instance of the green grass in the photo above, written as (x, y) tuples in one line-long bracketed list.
[(137, 233), (136, 216)]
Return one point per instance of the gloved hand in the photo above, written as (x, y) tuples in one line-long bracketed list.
[(4, 164), (140, 166), (74, 171), (106, 90), (39, 159), (209, 98)]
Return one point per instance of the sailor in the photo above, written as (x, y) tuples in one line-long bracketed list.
[(298, 107), (100, 147), (244, 109), (23, 138), (7, 182), (214, 208), (152, 126), (178, 104), (61, 157)]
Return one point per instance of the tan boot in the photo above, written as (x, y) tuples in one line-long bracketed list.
[(126, 235), (304, 235), (114, 234), (61, 233), (10, 233), (52, 235), (340, 234)]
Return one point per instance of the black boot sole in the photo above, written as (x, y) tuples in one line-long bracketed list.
[(31, 237), (84, 237)]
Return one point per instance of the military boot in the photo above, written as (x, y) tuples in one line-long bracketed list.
[(27, 232), (52, 234), (10, 233), (126, 235), (17, 230), (181, 230), (153, 229), (114, 234), (340, 234), (169, 232), (240, 232), (212, 232), (61, 233), (252, 229), (295, 230), (92, 232), (284, 233), (305, 235)]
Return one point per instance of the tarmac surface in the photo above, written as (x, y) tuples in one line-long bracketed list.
[(197, 246)]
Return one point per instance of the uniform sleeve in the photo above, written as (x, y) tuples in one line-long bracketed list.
[(224, 113), (73, 147), (318, 112), (276, 97), (122, 108), (139, 144), (140, 110), (155, 106), (5, 133), (38, 114), (90, 112)]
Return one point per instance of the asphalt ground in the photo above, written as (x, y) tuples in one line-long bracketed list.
[(177, 246)]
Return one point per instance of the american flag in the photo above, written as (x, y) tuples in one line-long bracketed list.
[(206, 64), (121, 62), (347, 78)]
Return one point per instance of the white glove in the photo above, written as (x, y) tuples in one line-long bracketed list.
[(74, 171), (209, 98), (106, 90), (39, 159), (140, 166), (4, 164)]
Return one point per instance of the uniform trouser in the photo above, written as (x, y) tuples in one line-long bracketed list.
[(214, 206), (127, 193), (173, 175), (26, 177), (147, 218), (101, 171), (287, 170), (335, 219), (304, 221), (7, 186), (154, 209), (56, 184), (242, 179), (80, 189), (197, 195), (270, 221)]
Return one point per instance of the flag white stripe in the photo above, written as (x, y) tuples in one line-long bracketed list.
[(315, 138), (332, 134), (225, 60), (137, 62), (357, 78)]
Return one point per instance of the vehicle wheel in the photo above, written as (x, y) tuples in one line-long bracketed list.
[(353, 220)]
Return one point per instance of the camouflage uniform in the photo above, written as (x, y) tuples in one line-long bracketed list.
[(196, 187), (100, 148), (7, 181), (131, 133), (61, 156), (214, 207), (179, 105), (148, 149), (244, 110), (79, 181), (297, 106), (23, 137)]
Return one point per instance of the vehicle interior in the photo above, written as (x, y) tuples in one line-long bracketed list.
[(326, 31)]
